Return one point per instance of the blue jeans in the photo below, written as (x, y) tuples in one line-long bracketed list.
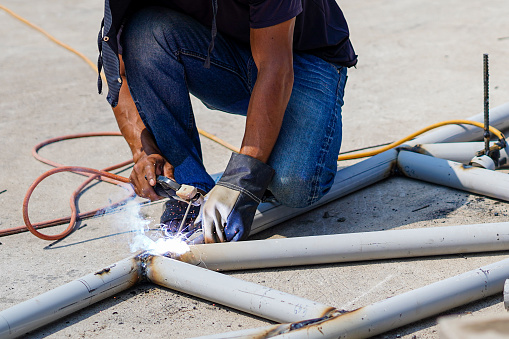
[(164, 53)]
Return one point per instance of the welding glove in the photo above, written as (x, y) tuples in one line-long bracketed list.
[(230, 206)]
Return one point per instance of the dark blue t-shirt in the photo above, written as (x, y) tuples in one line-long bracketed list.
[(320, 27)]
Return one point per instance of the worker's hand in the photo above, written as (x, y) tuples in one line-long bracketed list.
[(145, 171), (230, 207)]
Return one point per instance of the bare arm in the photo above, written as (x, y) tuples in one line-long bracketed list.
[(146, 155), (272, 52)]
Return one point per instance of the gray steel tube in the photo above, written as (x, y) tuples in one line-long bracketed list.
[(453, 174), (393, 312), (499, 118), (349, 247), (348, 180), (377, 168), (68, 298), (458, 151), (236, 293)]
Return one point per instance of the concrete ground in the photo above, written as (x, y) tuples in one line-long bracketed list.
[(420, 62)]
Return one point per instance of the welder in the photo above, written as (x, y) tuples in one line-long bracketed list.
[(281, 63)]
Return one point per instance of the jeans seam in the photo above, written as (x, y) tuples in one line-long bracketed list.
[(250, 64), (191, 123), (331, 128), (190, 118)]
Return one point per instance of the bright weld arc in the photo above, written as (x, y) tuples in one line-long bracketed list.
[(156, 241), (168, 242), (175, 245)]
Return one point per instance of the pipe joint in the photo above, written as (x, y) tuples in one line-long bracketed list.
[(484, 161), (491, 159), (143, 258)]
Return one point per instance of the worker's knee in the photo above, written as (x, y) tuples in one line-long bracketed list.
[(300, 190)]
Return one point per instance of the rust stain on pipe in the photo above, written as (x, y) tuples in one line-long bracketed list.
[(318, 323), (419, 148), (271, 332), (306, 325), (466, 168), (104, 271), (393, 168), (148, 261)]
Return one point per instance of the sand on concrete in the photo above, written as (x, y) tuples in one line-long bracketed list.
[(420, 62)]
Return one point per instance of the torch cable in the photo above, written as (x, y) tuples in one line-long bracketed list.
[(94, 174)]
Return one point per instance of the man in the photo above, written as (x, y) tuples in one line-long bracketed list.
[(281, 63)]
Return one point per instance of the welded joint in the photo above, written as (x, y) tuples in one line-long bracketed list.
[(333, 313), (306, 325), (144, 259), (494, 153), (141, 259), (395, 166)]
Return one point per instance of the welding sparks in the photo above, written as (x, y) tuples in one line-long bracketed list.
[(174, 245), (156, 240)]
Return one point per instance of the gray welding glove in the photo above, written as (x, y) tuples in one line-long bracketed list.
[(230, 206)]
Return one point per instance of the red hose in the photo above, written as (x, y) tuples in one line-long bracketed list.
[(93, 174)]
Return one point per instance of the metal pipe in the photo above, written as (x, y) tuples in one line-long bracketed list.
[(499, 118), (349, 247), (68, 298), (453, 174), (377, 168), (396, 311), (348, 180), (458, 151), (229, 291)]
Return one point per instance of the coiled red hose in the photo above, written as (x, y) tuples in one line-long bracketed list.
[(92, 174)]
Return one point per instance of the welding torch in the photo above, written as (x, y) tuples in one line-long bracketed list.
[(168, 188)]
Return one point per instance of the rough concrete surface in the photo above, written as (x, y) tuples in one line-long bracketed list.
[(473, 327), (420, 62)]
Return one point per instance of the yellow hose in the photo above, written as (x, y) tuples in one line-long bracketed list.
[(235, 149), (219, 141), (94, 67), (419, 132), (52, 38)]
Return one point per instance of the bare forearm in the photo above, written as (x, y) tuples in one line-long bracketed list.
[(266, 111), (272, 52), (148, 160), (129, 122)]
